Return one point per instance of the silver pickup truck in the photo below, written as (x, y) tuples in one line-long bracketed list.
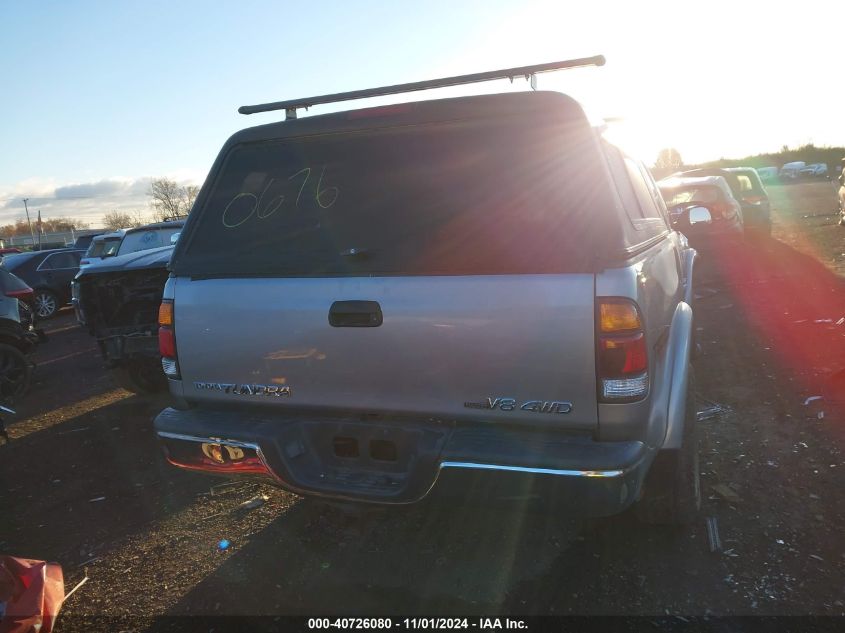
[(476, 296)]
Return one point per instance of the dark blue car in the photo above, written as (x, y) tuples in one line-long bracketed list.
[(49, 274)]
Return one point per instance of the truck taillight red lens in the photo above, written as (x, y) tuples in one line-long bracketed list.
[(167, 340), (220, 458), (624, 355), (621, 351), (24, 294)]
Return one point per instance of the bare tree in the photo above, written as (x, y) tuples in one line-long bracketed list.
[(169, 199), (114, 220), (191, 192)]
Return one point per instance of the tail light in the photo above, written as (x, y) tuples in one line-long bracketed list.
[(221, 457), (23, 294), (167, 339), (621, 351)]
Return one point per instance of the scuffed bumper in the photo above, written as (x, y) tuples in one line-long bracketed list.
[(401, 462)]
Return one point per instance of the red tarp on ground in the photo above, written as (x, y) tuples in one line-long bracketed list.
[(33, 592)]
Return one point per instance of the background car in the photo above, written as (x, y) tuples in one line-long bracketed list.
[(814, 170), (791, 171), (747, 189), (767, 174), (49, 274), (101, 246), (18, 336), (150, 236), (754, 199), (117, 300), (84, 241), (711, 192)]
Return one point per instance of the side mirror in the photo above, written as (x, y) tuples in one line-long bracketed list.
[(699, 215), (174, 238)]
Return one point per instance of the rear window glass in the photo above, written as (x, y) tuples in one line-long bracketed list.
[(144, 240), (745, 183), (95, 249), (83, 241), (683, 195), (60, 261), (480, 197), (99, 248)]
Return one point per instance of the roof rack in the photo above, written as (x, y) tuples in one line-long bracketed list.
[(290, 107)]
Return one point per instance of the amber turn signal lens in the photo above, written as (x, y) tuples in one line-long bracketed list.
[(214, 452), (165, 313), (619, 316)]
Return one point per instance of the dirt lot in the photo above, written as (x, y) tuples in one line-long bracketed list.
[(83, 484)]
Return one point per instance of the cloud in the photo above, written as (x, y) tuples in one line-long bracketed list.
[(87, 201), (93, 189)]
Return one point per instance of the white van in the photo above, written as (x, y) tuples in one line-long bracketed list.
[(791, 171)]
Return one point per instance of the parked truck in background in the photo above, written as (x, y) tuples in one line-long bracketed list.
[(117, 297)]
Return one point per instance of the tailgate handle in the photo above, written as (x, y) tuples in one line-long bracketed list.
[(355, 314)]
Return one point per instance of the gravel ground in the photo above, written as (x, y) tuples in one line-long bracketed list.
[(83, 483)]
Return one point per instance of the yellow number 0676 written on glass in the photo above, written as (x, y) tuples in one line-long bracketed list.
[(325, 197)]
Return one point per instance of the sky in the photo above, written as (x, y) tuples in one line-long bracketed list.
[(99, 97)]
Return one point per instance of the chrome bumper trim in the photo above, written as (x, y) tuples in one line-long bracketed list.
[(535, 471), (464, 465), (210, 440)]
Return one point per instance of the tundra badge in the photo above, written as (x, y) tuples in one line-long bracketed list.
[(245, 389)]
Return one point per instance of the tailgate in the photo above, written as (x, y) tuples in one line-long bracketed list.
[(494, 347)]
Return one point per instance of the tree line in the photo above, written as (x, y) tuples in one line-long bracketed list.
[(168, 199), (669, 159), (52, 225)]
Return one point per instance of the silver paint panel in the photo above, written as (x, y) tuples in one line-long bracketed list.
[(444, 341)]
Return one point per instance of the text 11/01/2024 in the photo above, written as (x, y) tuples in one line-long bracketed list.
[(482, 624)]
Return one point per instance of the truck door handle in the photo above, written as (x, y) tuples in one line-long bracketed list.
[(355, 314)]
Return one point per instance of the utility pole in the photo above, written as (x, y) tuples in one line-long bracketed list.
[(28, 221)]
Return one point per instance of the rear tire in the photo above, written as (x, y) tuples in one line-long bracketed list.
[(672, 488), (142, 378), (15, 373)]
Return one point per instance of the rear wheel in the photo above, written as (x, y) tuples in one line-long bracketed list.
[(142, 377), (15, 372), (672, 494), (46, 304)]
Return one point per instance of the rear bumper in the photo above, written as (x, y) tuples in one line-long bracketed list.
[(403, 462)]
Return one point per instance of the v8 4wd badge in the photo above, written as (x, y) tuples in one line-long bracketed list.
[(511, 404)]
